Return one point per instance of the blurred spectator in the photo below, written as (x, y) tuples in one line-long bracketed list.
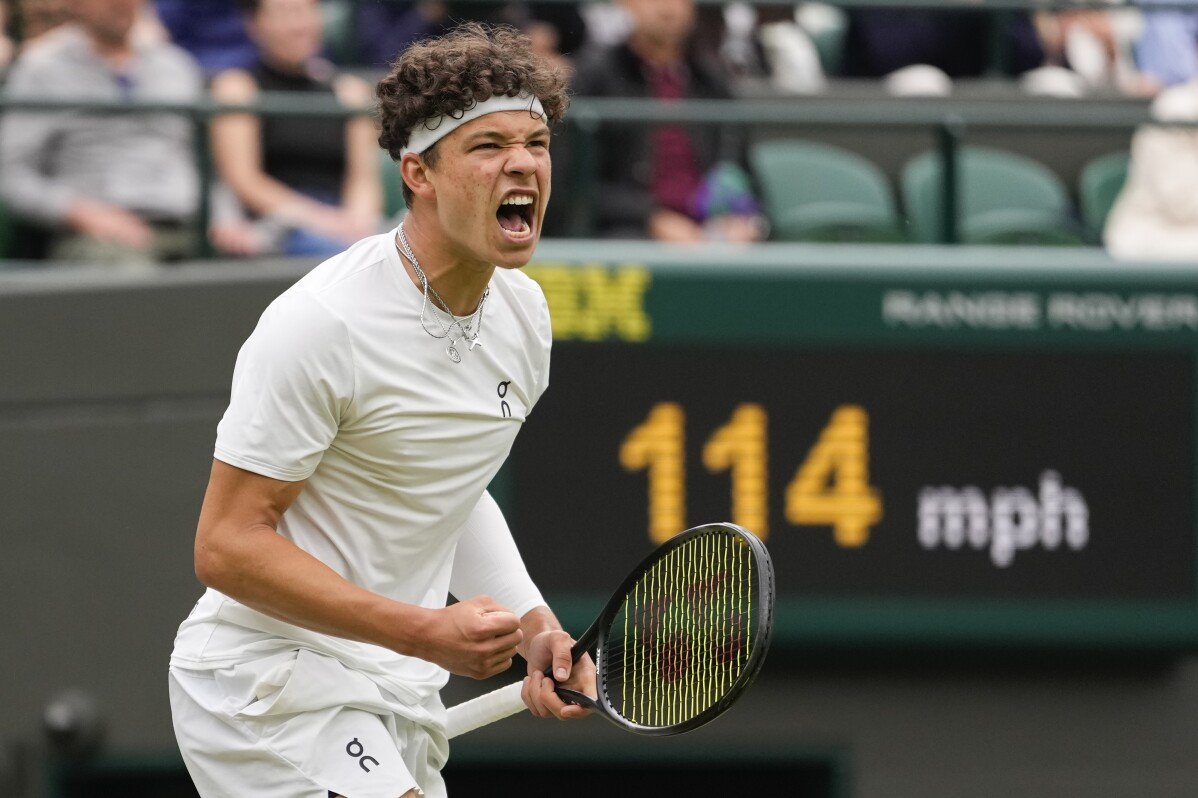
[(562, 23), (311, 184), (1156, 214), (741, 53), (213, 31), (793, 61), (7, 47), (918, 80), (547, 43), (960, 43), (566, 21), (1053, 80), (384, 28), (801, 45), (116, 188), (671, 182), (555, 29), (1168, 47), (1097, 45), (607, 24), (35, 17)]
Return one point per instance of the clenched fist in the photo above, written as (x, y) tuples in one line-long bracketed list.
[(476, 638)]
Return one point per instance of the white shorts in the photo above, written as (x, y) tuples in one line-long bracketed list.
[(299, 725)]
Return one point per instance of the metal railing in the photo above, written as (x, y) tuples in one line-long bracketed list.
[(948, 119), (199, 113)]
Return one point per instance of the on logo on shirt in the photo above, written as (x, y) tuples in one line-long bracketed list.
[(504, 408)]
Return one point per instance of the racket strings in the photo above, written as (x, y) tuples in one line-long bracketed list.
[(683, 635)]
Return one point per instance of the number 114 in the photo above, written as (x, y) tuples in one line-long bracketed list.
[(830, 488)]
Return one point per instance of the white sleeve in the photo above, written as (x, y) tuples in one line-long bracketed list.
[(546, 335), (291, 386), (487, 562)]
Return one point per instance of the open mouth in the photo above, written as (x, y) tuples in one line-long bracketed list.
[(515, 216)]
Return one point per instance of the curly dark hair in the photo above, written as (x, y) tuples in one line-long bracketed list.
[(448, 74)]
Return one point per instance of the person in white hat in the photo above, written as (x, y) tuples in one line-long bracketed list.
[(1155, 217)]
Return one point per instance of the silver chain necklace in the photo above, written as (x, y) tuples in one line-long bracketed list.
[(463, 325)]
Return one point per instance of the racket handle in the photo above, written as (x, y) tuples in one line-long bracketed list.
[(487, 708)]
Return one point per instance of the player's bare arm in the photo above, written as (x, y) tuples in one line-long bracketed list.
[(239, 553)]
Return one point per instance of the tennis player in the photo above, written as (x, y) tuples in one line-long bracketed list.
[(370, 408)]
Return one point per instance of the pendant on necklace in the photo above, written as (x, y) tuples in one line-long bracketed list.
[(453, 353), (475, 342)]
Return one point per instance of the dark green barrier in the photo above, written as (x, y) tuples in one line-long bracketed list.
[(502, 771), (989, 450)]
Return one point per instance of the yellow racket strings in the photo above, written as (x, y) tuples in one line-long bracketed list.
[(682, 636)]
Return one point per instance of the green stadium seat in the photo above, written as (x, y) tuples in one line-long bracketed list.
[(1098, 187), (817, 192), (340, 38), (1002, 198)]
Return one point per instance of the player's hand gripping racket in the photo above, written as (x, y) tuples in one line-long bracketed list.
[(677, 643)]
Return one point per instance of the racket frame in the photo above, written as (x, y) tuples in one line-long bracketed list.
[(593, 639)]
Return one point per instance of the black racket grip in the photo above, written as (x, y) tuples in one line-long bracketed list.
[(576, 698)]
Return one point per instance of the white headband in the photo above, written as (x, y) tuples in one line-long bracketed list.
[(432, 130)]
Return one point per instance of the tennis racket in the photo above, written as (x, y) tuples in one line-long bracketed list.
[(676, 644)]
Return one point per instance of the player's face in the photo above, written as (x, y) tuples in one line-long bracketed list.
[(492, 186), (288, 32)]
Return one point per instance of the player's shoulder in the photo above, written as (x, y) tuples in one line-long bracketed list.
[(353, 286), (522, 287), (301, 318), (336, 285), (350, 270), (524, 294), (527, 304)]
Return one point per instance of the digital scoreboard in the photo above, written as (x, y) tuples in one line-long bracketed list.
[(973, 456)]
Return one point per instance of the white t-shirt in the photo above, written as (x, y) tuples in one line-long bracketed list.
[(339, 385)]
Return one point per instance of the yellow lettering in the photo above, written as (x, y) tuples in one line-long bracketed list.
[(592, 302)]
